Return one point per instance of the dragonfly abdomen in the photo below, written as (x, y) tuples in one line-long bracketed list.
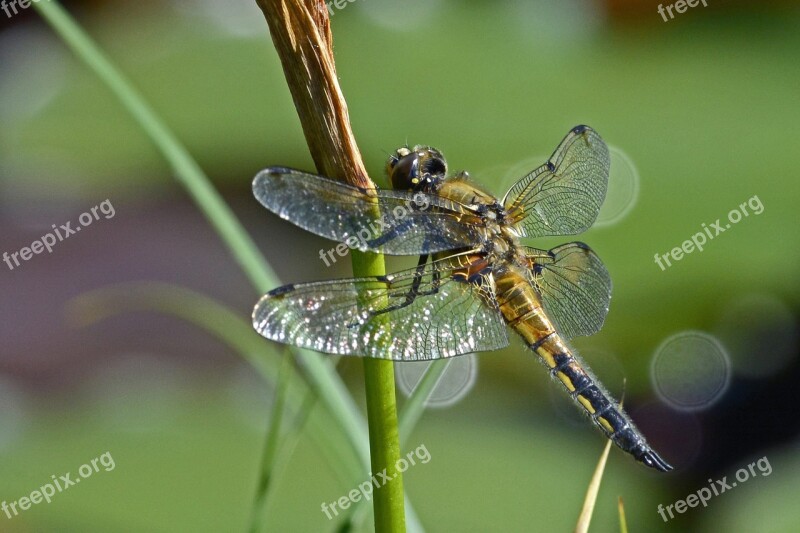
[(523, 311), (602, 409)]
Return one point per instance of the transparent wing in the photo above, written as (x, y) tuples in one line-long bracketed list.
[(404, 223), (563, 196), (413, 315), (574, 286)]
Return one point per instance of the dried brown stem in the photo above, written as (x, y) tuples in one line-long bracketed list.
[(301, 33)]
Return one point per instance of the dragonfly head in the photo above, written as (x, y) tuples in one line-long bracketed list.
[(420, 169)]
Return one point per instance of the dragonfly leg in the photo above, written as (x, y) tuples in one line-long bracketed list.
[(414, 291)]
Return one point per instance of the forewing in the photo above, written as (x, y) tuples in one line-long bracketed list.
[(386, 221), (574, 286), (366, 316), (563, 196)]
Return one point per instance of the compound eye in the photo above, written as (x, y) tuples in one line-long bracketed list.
[(404, 174), (434, 166)]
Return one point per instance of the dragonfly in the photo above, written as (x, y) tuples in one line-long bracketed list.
[(474, 280)]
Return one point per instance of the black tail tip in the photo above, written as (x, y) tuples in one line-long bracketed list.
[(653, 460)]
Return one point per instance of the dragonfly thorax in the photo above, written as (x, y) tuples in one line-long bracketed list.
[(502, 244), (492, 212)]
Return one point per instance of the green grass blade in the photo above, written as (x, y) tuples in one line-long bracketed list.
[(415, 405), (592, 491), (327, 383), (186, 170), (271, 448)]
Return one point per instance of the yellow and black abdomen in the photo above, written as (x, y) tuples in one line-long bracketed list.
[(522, 309)]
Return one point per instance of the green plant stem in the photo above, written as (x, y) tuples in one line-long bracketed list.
[(384, 437), (408, 416), (384, 443), (301, 33)]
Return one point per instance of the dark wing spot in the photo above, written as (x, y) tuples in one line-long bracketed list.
[(280, 291)]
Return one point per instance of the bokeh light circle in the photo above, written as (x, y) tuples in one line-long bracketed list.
[(690, 371), (556, 26), (453, 385)]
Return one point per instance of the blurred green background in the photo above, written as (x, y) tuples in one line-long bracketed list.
[(703, 107)]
